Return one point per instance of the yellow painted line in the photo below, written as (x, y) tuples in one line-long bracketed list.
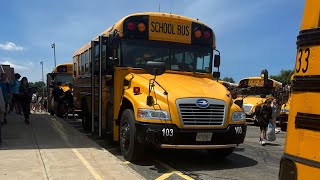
[(126, 162), (164, 176), (87, 164), (172, 171)]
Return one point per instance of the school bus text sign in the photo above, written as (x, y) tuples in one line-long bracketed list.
[(173, 30)]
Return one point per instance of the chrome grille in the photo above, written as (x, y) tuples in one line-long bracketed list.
[(192, 115)]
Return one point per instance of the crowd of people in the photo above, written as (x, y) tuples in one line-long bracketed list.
[(16, 95)]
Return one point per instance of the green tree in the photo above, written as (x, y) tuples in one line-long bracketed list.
[(284, 76), (228, 79), (39, 85)]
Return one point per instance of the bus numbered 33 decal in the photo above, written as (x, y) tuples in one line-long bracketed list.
[(303, 60)]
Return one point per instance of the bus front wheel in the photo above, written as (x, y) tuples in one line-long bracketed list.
[(131, 149)]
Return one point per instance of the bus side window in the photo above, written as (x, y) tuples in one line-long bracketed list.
[(79, 64), (82, 63), (86, 62), (74, 69), (104, 59), (96, 59)]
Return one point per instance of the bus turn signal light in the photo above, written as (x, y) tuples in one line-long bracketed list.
[(197, 33), (207, 34), (136, 90), (141, 27), (131, 26)]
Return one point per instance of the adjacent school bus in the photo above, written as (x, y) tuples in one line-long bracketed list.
[(152, 84), (254, 92), (301, 158), (60, 74)]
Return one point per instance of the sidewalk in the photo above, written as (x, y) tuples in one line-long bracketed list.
[(48, 148)]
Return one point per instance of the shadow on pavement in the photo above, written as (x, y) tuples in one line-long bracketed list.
[(43, 132)]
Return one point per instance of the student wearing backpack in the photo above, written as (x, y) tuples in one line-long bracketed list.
[(264, 114), (15, 101)]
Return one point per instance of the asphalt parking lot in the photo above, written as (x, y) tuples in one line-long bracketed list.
[(250, 160)]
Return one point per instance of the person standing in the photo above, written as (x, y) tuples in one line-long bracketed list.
[(274, 106), (15, 101), (57, 94), (26, 95), (4, 84), (264, 114), (2, 108)]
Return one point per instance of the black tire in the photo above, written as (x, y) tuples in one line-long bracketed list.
[(85, 116), (283, 127), (131, 149), (220, 153)]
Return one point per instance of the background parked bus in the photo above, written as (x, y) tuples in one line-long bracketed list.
[(301, 158), (152, 84), (60, 74), (255, 92)]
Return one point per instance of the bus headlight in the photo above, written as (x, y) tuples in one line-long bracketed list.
[(238, 116), (153, 114)]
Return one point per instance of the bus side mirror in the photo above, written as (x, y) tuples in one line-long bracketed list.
[(239, 102), (155, 68), (216, 62), (216, 75)]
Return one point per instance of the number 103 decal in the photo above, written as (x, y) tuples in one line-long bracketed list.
[(303, 63), (167, 132)]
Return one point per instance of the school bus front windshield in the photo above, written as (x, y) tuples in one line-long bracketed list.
[(255, 91), (177, 57), (64, 78)]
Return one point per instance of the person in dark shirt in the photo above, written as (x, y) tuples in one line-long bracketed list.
[(57, 93), (264, 114), (68, 99), (25, 96)]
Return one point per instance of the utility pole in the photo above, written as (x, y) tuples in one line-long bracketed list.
[(54, 53), (43, 87)]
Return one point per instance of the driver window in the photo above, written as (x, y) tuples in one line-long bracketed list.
[(203, 63)]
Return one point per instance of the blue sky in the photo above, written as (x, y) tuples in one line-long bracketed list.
[(251, 34)]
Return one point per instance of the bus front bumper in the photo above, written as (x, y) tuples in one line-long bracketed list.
[(160, 136)]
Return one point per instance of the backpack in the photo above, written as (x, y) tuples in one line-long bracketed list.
[(258, 110)]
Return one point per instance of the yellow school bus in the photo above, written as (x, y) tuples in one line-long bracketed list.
[(152, 84), (60, 74), (254, 92), (301, 158)]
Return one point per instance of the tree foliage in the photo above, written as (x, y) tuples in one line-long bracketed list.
[(228, 79), (284, 76), (39, 85)]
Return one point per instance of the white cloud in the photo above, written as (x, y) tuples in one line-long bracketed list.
[(10, 46), (15, 66)]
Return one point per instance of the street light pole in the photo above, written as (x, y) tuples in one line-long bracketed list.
[(54, 53), (43, 87)]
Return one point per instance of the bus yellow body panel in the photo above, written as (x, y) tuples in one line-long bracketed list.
[(301, 159)]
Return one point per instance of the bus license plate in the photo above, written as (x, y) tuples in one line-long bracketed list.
[(203, 136)]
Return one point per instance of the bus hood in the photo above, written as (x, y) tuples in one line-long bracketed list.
[(251, 102), (180, 86)]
